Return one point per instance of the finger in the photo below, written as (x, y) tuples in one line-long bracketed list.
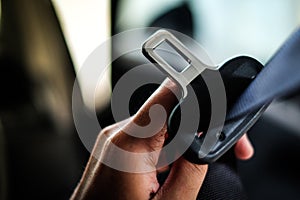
[(163, 169), (243, 148), (148, 128), (184, 181), (165, 96), (127, 137)]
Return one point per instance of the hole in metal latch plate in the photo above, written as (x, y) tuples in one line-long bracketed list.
[(171, 56)]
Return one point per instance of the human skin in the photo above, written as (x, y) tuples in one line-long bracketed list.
[(184, 180)]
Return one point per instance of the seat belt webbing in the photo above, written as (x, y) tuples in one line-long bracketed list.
[(280, 77)]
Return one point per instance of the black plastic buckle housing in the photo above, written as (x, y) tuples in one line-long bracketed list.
[(237, 74)]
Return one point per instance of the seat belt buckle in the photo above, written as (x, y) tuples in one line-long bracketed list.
[(237, 73)]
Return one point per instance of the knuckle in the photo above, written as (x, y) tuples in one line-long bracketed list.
[(107, 131)]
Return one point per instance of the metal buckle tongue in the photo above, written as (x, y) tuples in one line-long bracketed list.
[(183, 78)]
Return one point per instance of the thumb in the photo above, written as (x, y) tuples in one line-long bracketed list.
[(149, 125), (184, 181), (140, 135)]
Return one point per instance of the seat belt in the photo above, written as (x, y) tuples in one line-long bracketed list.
[(278, 78)]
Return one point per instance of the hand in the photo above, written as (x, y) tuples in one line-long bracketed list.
[(184, 181)]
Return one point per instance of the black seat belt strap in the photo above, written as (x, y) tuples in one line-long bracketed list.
[(279, 77)]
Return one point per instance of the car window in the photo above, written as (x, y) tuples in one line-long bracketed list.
[(86, 25)]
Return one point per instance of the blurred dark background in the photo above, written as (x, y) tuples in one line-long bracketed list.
[(43, 43)]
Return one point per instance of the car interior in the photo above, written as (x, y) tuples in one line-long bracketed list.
[(43, 44)]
